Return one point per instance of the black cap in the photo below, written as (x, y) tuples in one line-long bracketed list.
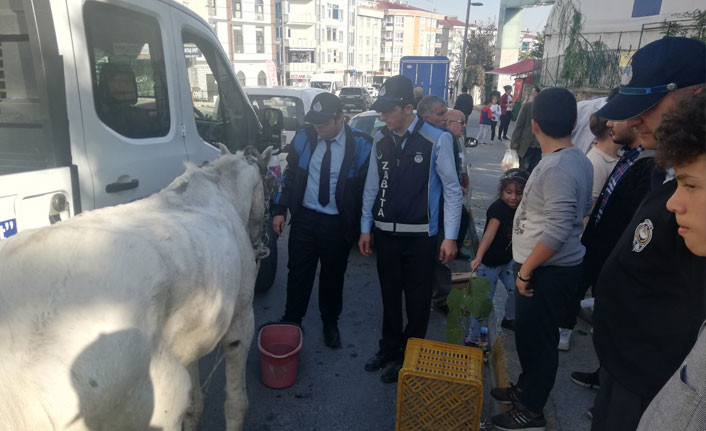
[(395, 91), (653, 71), (324, 107)]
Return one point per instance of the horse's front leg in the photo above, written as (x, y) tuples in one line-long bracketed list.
[(236, 344), (193, 414)]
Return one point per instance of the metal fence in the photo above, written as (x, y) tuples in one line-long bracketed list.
[(596, 70)]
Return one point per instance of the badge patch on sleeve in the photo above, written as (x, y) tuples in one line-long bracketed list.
[(418, 158), (643, 235)]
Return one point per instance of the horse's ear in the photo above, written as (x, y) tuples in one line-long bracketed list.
[(265, 158), (224, 149)]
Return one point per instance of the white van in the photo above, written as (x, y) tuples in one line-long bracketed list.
[(102, 102), (330, 82)]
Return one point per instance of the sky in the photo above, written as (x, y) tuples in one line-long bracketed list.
[(533, 19)]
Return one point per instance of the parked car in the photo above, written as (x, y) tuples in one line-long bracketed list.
[(373, 92), (293, 102), (368, 122), (355, 98)]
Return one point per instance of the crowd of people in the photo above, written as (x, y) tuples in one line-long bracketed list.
[(627, 221)]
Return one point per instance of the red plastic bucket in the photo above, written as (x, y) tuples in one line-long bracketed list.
[(279, 346)]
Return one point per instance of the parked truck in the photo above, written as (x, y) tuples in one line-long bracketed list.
[(102, 102), (429, 73)]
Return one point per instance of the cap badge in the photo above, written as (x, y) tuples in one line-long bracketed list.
[(317, 107), (382, 91), (643, 235), (626, 76)]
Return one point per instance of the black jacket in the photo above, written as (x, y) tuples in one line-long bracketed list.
[(649, 299), (349, 189), (464, 103), (600, 239)]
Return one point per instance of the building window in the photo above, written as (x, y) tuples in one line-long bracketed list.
[(399, 36), (260, 39), (351, 59), (340, 36), (399, 20), (261, 79), (241, 78), (259, 10), (352, 20), (289, 32), (237, 9), (238, 39), (351, 39), (278, 10), (278, 32)]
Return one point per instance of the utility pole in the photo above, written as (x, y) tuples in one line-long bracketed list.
[(465, 44)]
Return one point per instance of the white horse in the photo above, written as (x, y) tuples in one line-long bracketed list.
[(101, 315)]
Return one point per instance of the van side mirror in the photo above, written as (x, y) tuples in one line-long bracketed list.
[(272, 122)]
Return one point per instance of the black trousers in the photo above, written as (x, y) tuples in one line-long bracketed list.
[(504, 124), (493, 125), (316, 237), (537, 330), (616, 408), (405, 265)]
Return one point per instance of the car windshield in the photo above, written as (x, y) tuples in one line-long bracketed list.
[(367, 123), (351, 91), (292, 108)]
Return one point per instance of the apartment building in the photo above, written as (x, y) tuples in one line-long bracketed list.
[(406, 30), (450, 41), (312, 37), (367, 33), (244, 28)]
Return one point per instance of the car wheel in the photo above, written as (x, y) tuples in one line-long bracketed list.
[(268, 267)]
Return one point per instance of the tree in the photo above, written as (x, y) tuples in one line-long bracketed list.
[(695, 29), (537, 51), (480, 55)]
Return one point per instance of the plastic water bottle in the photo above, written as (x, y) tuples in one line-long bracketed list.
[(484, 330)]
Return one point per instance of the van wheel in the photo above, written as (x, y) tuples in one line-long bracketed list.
[(268, 267)]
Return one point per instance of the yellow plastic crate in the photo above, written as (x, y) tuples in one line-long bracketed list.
[(440, 387)]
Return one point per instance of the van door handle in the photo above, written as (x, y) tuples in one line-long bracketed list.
[(119, 187)]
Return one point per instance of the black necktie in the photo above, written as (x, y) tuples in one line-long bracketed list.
[(325, 177), (400, 139)]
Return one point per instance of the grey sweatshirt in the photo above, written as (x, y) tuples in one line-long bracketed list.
[(555, 201)]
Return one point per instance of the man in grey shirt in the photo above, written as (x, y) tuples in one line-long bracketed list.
[(549, 255)]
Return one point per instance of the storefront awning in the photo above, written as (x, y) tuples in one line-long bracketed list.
[(524, 66)]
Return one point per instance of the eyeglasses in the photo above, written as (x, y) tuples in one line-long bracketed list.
[(457, 121)]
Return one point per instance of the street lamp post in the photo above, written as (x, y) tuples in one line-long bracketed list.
[(465, 36)]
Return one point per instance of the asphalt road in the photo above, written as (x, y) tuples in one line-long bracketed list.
[(333, 391)]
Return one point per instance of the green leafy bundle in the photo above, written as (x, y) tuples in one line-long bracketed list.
[(474, 300)]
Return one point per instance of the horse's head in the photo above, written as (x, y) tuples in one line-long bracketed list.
[(242, 176)]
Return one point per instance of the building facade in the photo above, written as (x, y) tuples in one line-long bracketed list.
[(367, 34), (406, 30), (245, 30)]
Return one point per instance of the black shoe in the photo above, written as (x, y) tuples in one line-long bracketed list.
[(332, 338), (519, 418), (378, 361), (506, 395), (391, 373), (587, 380), (508, 324), (443, 308)]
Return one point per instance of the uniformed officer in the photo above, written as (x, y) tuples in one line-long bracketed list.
[(323, 185), (413, 166)]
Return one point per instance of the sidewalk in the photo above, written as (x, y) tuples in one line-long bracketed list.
[(568, 402)]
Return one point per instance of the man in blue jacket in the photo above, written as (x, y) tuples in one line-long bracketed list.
[(322, 188), (413, 166)]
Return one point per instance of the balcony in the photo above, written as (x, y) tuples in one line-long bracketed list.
[(301, 67), (300, 43), (300, 19)]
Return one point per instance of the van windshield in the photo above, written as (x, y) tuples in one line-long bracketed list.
[(320, 84), (33, 122)]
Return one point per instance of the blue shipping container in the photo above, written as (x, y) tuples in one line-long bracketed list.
[(429, 73)]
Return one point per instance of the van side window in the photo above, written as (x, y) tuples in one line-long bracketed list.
[(127, 71), (219, 105)]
